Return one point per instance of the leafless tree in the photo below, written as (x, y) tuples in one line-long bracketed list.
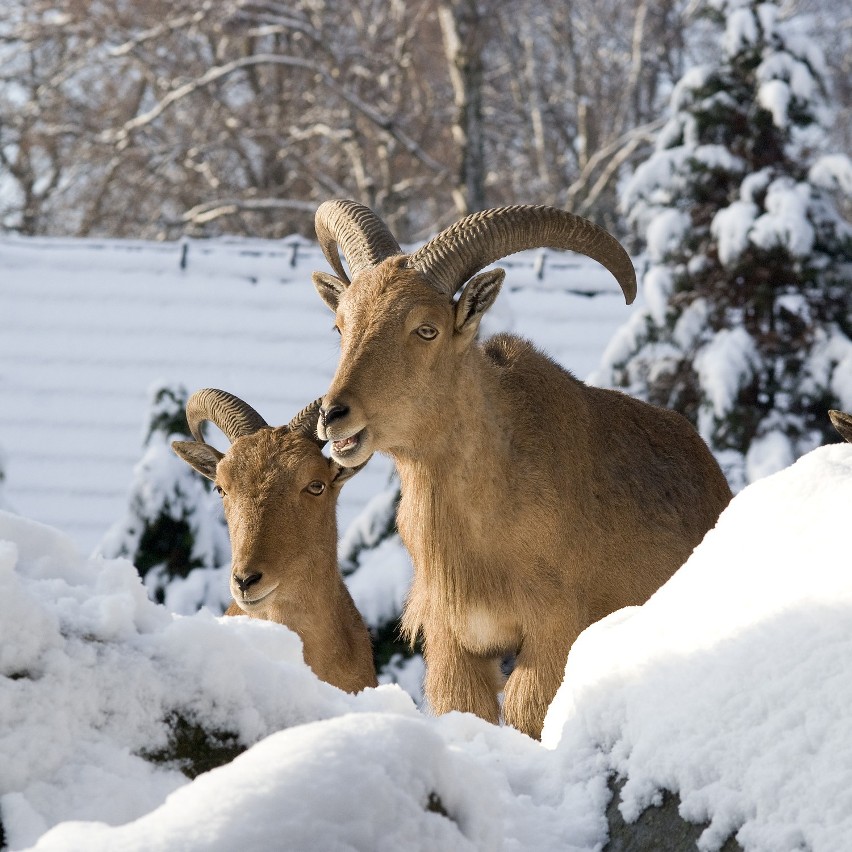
[(168, 117)]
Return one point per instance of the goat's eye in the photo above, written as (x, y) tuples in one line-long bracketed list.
[(316, 488), (219, 490), (427, 332), (336, 328)]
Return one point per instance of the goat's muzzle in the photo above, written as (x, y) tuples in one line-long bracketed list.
[(244, 583), (333, 412)]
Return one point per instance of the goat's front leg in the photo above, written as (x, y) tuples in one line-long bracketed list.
[(539, 669), (459, 680)]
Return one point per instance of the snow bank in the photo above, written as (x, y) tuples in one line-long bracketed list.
[(92, 672), (320, 787), (731, 685)]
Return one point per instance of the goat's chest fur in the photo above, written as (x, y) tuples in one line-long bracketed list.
[(558, 504), (472, 567)]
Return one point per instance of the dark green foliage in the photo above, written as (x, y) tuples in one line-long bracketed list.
[(168, 412), (168, 543), (173, 525), (388, 644)]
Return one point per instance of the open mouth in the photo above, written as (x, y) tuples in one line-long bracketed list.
[(347, 446)]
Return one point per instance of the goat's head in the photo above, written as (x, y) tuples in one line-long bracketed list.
[(842, 422), (402, 329), (278, 489)]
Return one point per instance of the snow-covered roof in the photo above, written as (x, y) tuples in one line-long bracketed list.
[(87, 327)]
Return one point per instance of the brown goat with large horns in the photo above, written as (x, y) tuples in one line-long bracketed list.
[(532, 504), (280, 498)]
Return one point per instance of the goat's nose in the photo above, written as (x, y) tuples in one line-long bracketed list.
[(245, 582), (333, 412)]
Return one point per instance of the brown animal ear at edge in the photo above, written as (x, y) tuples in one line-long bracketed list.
[(476, 298), (842, 422), (201, 457), (329, 287)]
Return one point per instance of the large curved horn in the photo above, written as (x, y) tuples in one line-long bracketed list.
[(233, 416), (363, 237), (460, 251), (305, 422)]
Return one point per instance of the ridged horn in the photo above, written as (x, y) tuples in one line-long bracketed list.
[(460, 251), (362, 236), (842, 422), (233, 416), (305, 422)]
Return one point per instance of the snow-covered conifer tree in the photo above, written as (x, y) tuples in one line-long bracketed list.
[(378, 572), (748, 285), (173, 525)]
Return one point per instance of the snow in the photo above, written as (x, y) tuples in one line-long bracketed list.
[(745, 655), (740, 32), (832, 357), (832, 171), (725, 365), (785, 222), (379, 586), (691, 324), (730, 685), (658, 285), (730, 227), (768, 454), (286, 768), (666, 231)]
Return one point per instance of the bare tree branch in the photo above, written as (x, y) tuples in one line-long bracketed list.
[(213, 210), (616, 153), (121, 136)]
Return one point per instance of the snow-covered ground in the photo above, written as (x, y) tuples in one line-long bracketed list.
[(731, 686)]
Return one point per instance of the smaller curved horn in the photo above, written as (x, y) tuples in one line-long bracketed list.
[(363, 237), (305, 422), (233, 416)]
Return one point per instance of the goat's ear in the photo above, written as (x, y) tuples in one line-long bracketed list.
[(341, 474), (202, 457), (330, 288), (842, 422), (476, 298)]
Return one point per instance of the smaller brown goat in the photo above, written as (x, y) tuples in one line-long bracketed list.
[(280, 499), (842, 422)]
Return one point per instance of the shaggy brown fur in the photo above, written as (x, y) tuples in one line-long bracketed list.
[(532, 504), (283, 531)]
